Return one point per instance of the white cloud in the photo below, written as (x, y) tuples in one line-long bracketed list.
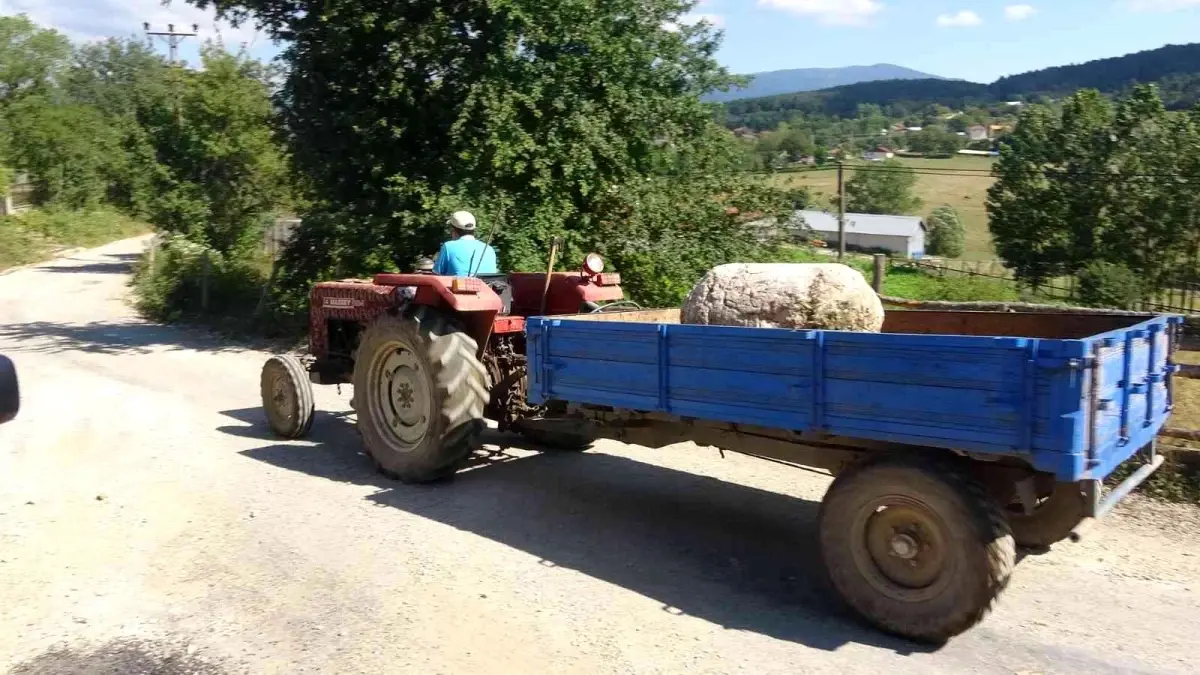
[(962, 18), (86, 20), (835, 12), (1162, 5), (1019, 12)]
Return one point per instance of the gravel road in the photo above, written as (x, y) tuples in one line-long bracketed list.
[(149, 523)]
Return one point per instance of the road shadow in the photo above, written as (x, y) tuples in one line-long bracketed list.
[(736, 556), (117, 263), (108, 337)]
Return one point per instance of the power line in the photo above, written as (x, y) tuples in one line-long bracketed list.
[(1049, 172)]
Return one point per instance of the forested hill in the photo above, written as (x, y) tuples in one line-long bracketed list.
[(1175, 68), (1108, 75), (810, 79)]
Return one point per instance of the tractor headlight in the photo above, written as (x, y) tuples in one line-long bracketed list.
[(593, 263)]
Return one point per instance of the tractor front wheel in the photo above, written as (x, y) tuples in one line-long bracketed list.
[(420, 392), (287, 396)]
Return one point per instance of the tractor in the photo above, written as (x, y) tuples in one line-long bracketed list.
[(430, 358)]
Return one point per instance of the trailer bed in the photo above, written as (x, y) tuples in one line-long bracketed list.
[(1072, 395)]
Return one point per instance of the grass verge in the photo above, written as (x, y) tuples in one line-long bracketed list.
[(34, 236)]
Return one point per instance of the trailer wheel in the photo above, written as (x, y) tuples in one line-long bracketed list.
[(1052, 520), (287, 396), (917, 548), (420, 392)]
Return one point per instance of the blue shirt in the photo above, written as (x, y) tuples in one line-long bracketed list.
[(455, 258)]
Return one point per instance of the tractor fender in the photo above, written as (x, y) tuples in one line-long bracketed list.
[(467, 299)]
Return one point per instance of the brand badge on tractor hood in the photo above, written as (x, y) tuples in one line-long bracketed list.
[(342, 303)]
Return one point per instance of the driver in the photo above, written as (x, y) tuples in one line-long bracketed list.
[(463, 255)]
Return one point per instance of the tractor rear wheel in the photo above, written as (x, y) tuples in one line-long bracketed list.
[(420, 393), (287, 396)]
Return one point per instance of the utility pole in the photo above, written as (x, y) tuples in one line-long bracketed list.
[(170, 37), (841, 212)]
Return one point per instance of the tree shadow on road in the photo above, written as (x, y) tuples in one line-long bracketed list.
[(116, 263), (108, 337), (737, 556)]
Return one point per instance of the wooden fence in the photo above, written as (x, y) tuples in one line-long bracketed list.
[(1182, 296)]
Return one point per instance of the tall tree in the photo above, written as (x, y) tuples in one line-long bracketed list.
[(1047, 208), (221, 170), (31, 57), (133, 88), (69, 150), (544, 118), (1098, 184), (887, 187)]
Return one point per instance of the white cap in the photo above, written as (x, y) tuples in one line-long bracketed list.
[(462, 220)]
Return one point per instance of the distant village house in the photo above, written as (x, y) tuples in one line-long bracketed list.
[(878, 154)]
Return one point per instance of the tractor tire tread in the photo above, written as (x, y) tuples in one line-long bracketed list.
[(460, 392), (301, 389)]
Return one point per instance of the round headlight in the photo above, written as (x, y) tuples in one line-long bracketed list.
[(593, 263)]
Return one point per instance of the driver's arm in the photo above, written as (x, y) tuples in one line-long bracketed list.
[(441, 263)]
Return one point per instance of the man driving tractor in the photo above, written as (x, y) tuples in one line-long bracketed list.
[(463, 255)]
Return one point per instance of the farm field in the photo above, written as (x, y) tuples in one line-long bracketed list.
[(966, 192)]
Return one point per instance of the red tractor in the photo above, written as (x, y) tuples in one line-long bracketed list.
[(430, 358)]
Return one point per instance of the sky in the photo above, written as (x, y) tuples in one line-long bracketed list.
[(978, 40)]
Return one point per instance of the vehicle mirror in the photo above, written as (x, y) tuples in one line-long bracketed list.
[(10, 392)]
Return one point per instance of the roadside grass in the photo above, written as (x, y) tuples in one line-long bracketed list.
[(914, 284), (966, 192), (35, 235)]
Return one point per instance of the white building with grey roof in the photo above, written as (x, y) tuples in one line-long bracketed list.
[(903, 235)]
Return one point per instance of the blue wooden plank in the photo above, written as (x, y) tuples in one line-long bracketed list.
[(1005, 395)]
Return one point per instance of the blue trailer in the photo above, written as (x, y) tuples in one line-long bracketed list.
[(953, 436)]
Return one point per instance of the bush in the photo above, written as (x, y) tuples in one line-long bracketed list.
[(1105, 284), (946, 236), (171, 288)]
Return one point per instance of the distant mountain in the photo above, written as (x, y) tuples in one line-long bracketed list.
[(1175, 68), (810, 79)]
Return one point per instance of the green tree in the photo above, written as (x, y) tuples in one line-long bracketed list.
[(221, 172), (543, 118), (1096, 183), (69, 151), (935, 141), (886, 187), (1048, 207), (946, 235), (797, 144), (31, 58), (132, 87)]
